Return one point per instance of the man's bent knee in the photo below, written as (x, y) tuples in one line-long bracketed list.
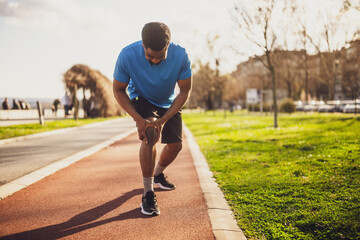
[(151, 132)]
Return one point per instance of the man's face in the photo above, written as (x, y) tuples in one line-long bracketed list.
[(155, 57)]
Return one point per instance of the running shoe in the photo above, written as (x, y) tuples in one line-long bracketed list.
[(161, 181), (149, 204)]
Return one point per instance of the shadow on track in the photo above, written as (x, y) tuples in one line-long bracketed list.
[(83, 221)]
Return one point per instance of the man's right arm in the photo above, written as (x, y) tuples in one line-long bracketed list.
[(122, 98)]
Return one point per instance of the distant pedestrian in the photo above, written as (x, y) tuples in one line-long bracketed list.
[(66, 101), (27, 105), (22, 104), (54, 107), (94, 107), (89, 107), (149, 70), (5, 104), (232, 106), (16, 104)]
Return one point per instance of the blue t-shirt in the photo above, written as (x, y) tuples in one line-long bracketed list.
[(156, 83)]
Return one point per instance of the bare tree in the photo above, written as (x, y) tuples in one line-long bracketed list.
[(302, 22), (203, 89), (234, 91), (288, 71), (327, 58), (256, 28), (328, 42), (287, 60), (351, 4), (350, 70), (305, 61), (209, 86), (325, 39), (251, 74), (219, 82), (351, 63)]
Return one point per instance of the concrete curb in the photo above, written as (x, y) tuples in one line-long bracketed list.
[(20, 183), (221, 217), (48, 133)]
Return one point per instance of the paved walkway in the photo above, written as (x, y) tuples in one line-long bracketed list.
[(99, 198), (18, 158), (98, 193)]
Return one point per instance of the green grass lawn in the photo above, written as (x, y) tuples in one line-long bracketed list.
[(300, 181), (26, 129)]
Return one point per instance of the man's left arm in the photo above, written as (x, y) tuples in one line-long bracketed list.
[(180, 100)]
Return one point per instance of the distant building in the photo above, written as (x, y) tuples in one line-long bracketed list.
[(331, 76), (349, 74)]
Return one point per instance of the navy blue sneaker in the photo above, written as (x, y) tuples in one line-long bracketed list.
[(161, 181), (149, 204)]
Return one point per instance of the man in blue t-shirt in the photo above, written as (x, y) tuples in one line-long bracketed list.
[(150, 70)]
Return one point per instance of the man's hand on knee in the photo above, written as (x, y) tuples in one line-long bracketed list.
[(151, 132)]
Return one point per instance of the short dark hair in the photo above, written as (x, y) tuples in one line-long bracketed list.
[(156, 36)]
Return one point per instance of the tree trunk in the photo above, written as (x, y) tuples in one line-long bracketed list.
[(331, 90), (288, 83), (272, 70), (76, 104), (306, 86), (306, 78)]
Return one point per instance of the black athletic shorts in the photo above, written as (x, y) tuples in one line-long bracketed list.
[(171, 132)]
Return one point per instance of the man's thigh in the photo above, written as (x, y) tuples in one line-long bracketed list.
[(145, 108), (172, 130)]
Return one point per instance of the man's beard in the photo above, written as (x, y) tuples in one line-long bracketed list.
[(151, 63)]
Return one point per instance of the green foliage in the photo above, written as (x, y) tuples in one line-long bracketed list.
[(26, 129), (300, 181), (256, 107), (287, 106)]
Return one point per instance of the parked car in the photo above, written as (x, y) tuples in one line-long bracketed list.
[(326, 108), (299, 108), (350, 108), (339, 107), (310, 108)]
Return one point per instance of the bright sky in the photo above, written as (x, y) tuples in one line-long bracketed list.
[(41, 39)]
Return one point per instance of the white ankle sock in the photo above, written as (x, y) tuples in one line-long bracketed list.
[(158, 169), (148, 184)]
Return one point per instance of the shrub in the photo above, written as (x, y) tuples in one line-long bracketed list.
[(256, 108), (287, 105)]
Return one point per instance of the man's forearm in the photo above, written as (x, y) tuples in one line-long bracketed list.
[(175, 107), (123, 99)]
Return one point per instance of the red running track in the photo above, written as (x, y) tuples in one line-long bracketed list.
[(99, 198)]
